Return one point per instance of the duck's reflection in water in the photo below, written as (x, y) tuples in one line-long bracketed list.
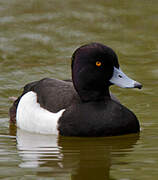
[(78, 158)]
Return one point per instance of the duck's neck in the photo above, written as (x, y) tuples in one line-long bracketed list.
[(93, 95), (89, 87)]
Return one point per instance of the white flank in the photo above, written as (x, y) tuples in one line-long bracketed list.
[(32, 117)]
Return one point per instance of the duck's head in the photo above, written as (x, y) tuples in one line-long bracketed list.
[(94, 68)]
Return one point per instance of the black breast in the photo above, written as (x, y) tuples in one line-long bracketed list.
[(98, 119)]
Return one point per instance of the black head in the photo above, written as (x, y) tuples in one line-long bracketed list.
[(92, 68)]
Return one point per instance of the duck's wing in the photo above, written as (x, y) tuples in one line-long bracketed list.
[(53, 95)]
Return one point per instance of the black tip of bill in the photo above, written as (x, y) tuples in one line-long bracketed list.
[(138, 85)]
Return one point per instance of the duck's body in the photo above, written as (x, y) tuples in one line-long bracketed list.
[(82, 108)]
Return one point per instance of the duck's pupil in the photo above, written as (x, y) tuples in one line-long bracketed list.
[(98, 63)]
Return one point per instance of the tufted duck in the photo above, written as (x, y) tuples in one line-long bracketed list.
[(83, 107)]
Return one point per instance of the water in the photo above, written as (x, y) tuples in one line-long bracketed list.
[(37, 39)]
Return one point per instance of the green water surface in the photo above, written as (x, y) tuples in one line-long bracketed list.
[(37, 39)]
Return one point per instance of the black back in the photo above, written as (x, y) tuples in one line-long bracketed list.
[(52, 94)]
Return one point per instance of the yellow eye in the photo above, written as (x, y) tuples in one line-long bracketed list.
[(98, 63)]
